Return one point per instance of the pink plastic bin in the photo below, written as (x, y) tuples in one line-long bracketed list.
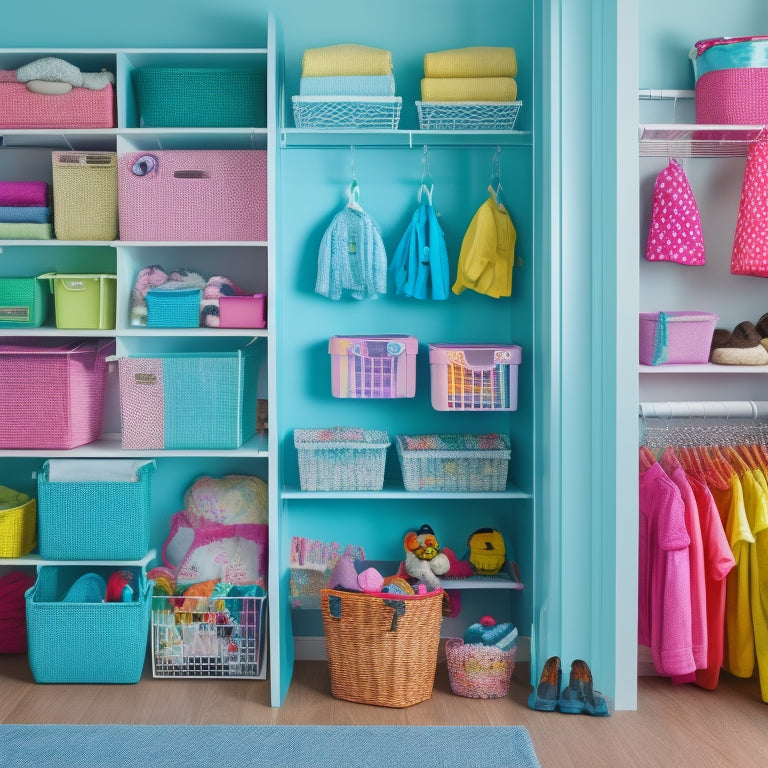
[(52, 394), (242, 311), (191, 195), (373, 366), (688, 337), (474, 377), (80, 108)]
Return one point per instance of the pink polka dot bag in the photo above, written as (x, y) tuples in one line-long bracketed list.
[(675, 230), (750, 241)]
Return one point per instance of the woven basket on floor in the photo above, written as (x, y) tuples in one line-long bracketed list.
[(372, 663), (479, 671)]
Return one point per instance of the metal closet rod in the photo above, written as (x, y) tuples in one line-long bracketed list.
[(705, 409)]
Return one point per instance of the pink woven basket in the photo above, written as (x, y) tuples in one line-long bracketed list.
[(80, 108), (189, 195), (52, 395), (479, 671)]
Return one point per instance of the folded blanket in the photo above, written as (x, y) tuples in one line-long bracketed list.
[(346, 59), (348, 85), (18, 193), (14, 231), (33, 214), (468, 89), (476, 61)]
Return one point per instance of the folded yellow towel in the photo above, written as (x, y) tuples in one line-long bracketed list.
[(346, 59), (475, 61), (468, 89)]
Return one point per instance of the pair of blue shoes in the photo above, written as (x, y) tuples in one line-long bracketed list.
[(578, 697)]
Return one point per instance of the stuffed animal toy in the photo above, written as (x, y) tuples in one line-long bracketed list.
[(423, 558), (486, 551)]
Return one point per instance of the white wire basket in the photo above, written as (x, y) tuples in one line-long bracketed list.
[(467, 115), (345, 112)]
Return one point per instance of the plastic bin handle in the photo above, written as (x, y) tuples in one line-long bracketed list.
[(479, 359)]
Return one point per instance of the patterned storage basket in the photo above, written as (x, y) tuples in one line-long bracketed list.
[(52, 394), (18, 521), (479, 671), (474, 377), (80, 108), (342, 113), (467, 115), (341, 458), (179, 97), (24, 302), (173, 309), (373, 366), (382, 649), (180, 400), (83, 515), (86, 642), (85, 195), (731, 80), (192, 195), (454, 462)]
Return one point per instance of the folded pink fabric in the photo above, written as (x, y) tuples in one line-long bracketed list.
[(24, 193)]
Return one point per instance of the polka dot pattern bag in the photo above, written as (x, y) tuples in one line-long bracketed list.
[(675, 231), (750, 242)]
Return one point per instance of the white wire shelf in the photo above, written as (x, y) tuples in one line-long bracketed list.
[(692, 140)]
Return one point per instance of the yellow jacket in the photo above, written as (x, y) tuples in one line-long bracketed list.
[(487, 252)]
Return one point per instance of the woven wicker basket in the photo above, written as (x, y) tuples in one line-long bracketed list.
[(370, 661), (85, 195), (17, 526), (479, 671)]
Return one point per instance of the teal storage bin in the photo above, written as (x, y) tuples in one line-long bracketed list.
[(85, 640), (94, 509), (173, 308), (24, 302), (189, 400), (182, 97)]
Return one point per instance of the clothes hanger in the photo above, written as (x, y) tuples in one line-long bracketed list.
[(494, 188), (426, 186), (353, 190)]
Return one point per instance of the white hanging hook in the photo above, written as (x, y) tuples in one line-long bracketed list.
[(354, 169)]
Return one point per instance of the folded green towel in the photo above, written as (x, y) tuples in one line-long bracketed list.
[(25, 231)]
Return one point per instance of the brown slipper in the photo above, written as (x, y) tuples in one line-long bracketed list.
[(742, 347)]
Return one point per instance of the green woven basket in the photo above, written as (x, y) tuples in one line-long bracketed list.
[(178, 97)]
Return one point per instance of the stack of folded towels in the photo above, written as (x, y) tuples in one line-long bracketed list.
[(478, 73), (347, 69), (25, 212)]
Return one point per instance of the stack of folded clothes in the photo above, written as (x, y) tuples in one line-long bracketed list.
[(25, 212), (478, 73), (347, 69)]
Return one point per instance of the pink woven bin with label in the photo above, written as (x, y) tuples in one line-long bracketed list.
[(52, 394), (79, 108), (192, 195)]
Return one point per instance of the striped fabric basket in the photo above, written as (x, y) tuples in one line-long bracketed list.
[(479, 671), (18, 523), (382, 649)]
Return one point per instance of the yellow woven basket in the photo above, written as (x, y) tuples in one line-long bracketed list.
[(381, 650), (17, 524)]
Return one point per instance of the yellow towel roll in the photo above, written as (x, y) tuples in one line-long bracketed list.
[(468, 89), (475, 61), (346, 59)]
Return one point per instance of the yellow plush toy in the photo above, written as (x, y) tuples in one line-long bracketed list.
[(486, 551)]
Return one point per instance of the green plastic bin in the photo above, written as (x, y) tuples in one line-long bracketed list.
[(24, 302), (83, 301)]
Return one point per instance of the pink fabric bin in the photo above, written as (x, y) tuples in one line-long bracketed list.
[(192, 195), (242, 311), (80, 108), (682, 337), (52, 394)]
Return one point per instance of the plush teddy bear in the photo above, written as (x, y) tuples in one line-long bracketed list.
[(423, 558)]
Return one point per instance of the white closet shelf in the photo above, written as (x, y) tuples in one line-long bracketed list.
[(78, 140), (695, 140), (33, 559), (398, 492), (704, 368), (310, 138)]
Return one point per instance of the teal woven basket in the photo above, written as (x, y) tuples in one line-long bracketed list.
[(173, 309), (85, 642), (104, 520), (24, 302), (179, 97)]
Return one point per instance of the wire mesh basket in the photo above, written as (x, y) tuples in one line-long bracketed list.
[(467, 115), (367, 112)]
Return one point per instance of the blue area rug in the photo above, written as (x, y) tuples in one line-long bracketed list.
[(266, 746)]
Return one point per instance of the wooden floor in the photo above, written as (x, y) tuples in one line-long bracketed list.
[(673, 726)]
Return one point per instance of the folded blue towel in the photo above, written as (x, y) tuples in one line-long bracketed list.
[(347, 85), (32, 214)]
